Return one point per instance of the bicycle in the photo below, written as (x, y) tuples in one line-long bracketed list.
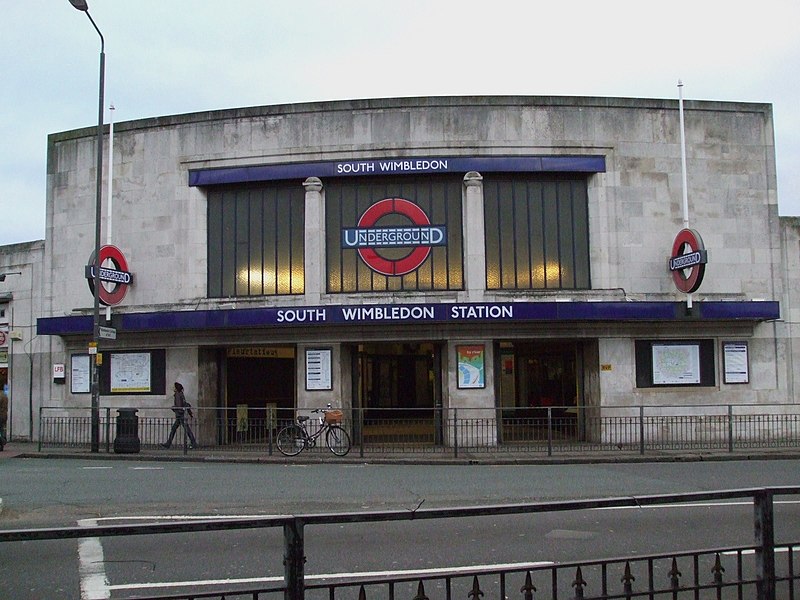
[(295, 438)]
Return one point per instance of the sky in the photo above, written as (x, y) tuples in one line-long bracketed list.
[(166, 57)]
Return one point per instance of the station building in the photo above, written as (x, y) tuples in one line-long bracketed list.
[(487, 254)]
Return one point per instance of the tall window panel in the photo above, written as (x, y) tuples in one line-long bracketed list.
[(439, 198), (537, 233), (256, 241)]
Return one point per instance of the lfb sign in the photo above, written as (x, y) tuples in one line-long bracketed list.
[(394, 236), (688, 260), (114, 275)]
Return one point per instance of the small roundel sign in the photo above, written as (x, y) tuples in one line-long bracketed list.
[(114, 275), (394, 236), (688, 260)]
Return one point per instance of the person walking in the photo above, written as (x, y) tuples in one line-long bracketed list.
[(3, 417), (181, 408)]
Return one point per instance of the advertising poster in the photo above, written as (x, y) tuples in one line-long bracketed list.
[(471, 366)]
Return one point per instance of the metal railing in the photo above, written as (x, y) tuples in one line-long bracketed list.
[(458, 431), (741, 571)]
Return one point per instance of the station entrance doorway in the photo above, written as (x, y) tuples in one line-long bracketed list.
[(397, 391), (541, 388), (259, 384)]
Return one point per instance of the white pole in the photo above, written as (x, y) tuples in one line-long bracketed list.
[(683, 158), (683, 174), (110, 170), (110, 184)]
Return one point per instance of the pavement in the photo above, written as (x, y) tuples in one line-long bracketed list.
[(465, 457)]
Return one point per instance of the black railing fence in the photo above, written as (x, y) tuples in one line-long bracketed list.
[(453, 431), (762, 570)]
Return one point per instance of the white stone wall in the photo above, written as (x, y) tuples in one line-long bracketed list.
[(635, 211), (635, 208)]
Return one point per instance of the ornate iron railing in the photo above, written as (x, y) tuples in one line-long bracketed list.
[(752, 571)]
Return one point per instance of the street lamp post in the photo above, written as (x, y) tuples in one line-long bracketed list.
[(82, 6)]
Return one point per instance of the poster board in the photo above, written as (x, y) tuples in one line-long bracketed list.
[(80, 378), (471, 364), (736, 366), (676, 364), (318, 369)]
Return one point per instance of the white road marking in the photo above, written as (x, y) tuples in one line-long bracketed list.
[(95, 468), (183, 517), (91, 566), (147, 468), (691, 505), (752, 551), (338, 576)]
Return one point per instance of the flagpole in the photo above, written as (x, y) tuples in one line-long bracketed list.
[(684, 182), (683, 158)]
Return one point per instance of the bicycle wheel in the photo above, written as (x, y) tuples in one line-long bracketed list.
[(338, 440), (291, 440)]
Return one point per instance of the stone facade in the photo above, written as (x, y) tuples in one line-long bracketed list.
[(635, 211)]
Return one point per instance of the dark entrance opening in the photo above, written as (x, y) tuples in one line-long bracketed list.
[(540, 390), (398, 388), (260, 392)]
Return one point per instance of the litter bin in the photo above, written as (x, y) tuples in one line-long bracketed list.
[(127, 440)]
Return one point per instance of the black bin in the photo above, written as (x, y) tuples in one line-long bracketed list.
[(127, 440)]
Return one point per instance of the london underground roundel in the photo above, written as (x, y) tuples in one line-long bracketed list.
[(114, 275), (688, 260), (390, 248)]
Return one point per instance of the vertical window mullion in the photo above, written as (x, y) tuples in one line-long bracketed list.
[(514, 233), (574, 283), (543, 209), (529, 233), (559, 253), (500, 261), (276, 255)]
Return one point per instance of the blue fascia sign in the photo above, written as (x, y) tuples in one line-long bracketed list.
[(400, 314), (399, 166)]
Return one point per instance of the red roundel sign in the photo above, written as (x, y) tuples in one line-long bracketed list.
[(688, 260), (114, 275), (394, 249)]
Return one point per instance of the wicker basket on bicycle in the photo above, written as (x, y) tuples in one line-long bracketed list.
[(334, 417)]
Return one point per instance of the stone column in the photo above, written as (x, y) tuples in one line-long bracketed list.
[(474, 237), (314, 242)]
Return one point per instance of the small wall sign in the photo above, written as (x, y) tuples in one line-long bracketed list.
[(736, 365), (59, 371), (318, 369)]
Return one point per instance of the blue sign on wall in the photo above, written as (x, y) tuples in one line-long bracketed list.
[(399, 314), (399, 166)]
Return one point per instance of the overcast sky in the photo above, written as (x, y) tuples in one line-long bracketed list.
[(176, 56)]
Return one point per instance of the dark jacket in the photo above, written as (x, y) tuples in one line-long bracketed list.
[(180, 404)]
